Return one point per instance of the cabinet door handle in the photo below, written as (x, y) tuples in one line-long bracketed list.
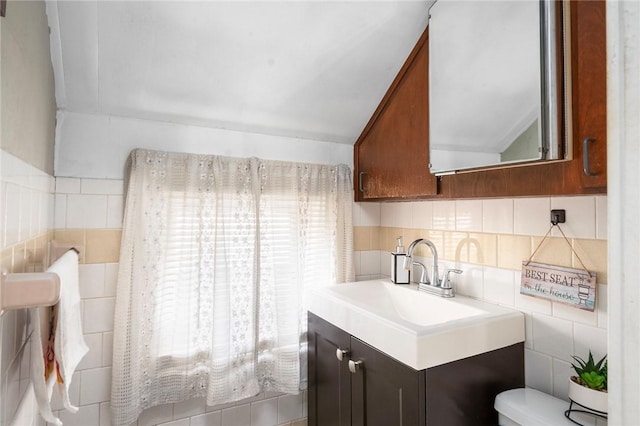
[(341, 353), (360, 179), (355, 365), (585, 156)]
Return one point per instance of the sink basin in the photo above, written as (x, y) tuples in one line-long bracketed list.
[(419, 329)]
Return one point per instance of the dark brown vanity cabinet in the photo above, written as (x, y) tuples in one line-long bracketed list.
[(367, 387), (329, 379), (384, 391), (375, 390)]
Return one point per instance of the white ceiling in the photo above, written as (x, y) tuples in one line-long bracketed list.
[(308, 69)]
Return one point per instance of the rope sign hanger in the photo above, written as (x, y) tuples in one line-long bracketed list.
[(591, 274), (559, 284)]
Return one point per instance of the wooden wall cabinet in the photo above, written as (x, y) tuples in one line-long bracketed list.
[(382, 391), (391, 156), (393, 151)]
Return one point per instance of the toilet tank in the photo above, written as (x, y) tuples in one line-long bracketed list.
[(530, 407)]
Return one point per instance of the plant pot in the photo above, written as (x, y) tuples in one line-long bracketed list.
[(587, 397)]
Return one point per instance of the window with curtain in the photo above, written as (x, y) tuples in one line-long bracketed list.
[(216, 256)]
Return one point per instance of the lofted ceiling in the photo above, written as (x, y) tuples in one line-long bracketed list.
[(307, 69)]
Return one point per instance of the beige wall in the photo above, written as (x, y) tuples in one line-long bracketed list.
[(28, 99)]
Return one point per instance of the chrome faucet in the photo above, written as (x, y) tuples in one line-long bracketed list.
[(434, 285), (408, 261)]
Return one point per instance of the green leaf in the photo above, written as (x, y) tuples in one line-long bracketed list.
[(593, 380), (593, 374)]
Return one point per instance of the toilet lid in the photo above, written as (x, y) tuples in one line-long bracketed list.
[(530, 407)]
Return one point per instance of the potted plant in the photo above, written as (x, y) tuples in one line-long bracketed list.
[(589, 387)]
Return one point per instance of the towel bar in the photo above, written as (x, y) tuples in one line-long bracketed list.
[(28, 290), (57, 249)]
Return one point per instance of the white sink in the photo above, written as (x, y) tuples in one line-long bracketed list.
[(418, 329)]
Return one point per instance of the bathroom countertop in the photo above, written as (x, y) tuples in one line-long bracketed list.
[(416, 328)]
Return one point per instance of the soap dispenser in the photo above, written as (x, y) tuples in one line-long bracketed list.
[(399, 275)]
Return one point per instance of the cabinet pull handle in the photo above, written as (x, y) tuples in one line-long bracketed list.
[(360, 185), (585, 156), (354, 365), (341, 353)]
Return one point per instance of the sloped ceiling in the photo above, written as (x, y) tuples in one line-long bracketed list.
[(308, 69)]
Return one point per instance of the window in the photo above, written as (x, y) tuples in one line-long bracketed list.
[(216, 256)]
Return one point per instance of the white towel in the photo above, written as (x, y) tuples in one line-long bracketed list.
[(42, 389), (68, 346)]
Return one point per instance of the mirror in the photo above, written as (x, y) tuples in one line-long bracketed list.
[(493, 89)]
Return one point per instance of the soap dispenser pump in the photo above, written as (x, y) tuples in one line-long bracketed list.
[(399, 275)]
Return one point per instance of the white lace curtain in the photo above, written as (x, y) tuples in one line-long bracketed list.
[(216, 255)]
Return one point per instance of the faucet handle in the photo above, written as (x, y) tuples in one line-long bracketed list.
[(424, 279), (446, 281)]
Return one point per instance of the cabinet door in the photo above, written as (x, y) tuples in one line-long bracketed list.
[(392, 153), (589, 92), (385, 392), (329, 379), (461, 393)]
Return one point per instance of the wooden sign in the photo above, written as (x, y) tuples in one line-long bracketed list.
[(574, 287)]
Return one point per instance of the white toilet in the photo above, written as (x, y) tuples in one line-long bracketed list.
[(529, 407)]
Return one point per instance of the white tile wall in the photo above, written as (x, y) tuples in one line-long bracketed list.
[(110, 279), (444, 215), (87, 415), (290, 407), (554, 332), (103, 199), (538, 371), (115, 206), (105, 414), (93, 358), (26, 203), (499, 286), (471, 281), (370, 262), (601, 217), (26, 212), (531, 216), (553, 336), (562, 371), (469, 215), (264, 413), (181, 422), (237, 416), (189, 408), (395, 214), (156, 415), (497, 216), (581, 216), (88, 203), (422, 215), (92, 278), (208, 419), (87, 211), (95, 385), (366, 214), (98, 314)]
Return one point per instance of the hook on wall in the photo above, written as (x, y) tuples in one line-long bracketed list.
[(558, 216)]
